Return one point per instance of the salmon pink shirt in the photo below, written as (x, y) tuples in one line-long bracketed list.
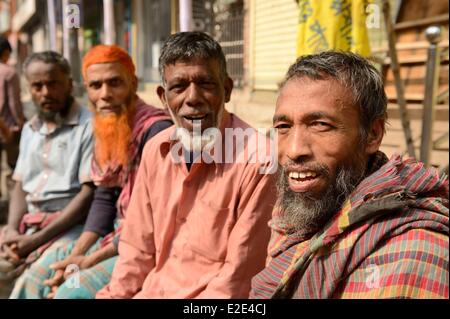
[(198, 233)]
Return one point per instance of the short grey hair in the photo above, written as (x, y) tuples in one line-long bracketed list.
[(353, 72), (185, 46), (49, 57)]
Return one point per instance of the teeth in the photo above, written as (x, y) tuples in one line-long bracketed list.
[(302, 175)]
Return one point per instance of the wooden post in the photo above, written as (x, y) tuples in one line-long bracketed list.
[(433, 35), (398, 81)]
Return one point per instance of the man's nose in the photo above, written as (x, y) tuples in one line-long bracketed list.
[(298, 144), (46, 91), (193, 95), (105, 92)]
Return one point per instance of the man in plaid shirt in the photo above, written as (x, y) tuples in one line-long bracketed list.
[(349, 223)]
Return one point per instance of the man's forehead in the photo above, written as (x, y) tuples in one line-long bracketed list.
[(185, 64), (117, 66), (313, 96), (39, 70), (108, 69), (37, 67)]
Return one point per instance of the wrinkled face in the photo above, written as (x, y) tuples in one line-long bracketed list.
[(110, 87), (318, 134), (195, 91), (50, 88)]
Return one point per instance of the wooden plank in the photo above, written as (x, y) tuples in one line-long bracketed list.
[(422, 22), (419, 59), (398, 81), (409, 46)]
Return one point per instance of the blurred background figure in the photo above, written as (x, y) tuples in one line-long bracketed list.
[(11, 112)]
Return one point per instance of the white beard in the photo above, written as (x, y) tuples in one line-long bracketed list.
[(195, 141)]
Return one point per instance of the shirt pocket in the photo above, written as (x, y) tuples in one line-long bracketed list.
[(209, 229)]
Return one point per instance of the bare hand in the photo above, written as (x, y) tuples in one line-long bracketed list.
[(8, 253), (81, 261), (54, 282), (7, 233), (63, 272), (23, 245)]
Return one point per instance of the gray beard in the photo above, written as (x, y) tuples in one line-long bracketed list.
[(56, 117), (302, 213)]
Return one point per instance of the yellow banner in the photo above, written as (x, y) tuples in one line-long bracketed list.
[(332, 25)]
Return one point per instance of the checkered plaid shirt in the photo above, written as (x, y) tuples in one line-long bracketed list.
[(389, 240)]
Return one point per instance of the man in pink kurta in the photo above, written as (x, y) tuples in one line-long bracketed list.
[(195, 230)]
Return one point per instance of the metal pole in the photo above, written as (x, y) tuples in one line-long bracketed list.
[(185, 15), (398, 80), (108, 22), (51, 24), (433, 35), (66, 33)]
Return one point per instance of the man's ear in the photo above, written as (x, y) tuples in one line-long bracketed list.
[(375, 136), (162, 95), (70, 85), (134, 83), (228, 85)]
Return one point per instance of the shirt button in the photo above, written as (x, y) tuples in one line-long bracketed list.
[(45, 176), (45, 155)]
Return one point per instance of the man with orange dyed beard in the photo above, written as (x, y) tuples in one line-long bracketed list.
[(123, 123)]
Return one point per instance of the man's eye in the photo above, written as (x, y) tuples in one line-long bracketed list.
[(320, 125), (95, 86), (115, 82), (282, 127), (207, 84), (52, 84), (176, 87)]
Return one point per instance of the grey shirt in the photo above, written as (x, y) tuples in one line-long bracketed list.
[(53, 163)]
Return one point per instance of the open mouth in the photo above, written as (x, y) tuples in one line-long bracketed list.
[(193, 118), (302, 181)]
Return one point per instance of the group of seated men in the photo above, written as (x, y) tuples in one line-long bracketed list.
[(135, 201)]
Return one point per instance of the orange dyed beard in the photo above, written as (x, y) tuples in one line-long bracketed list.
[(112, 137)]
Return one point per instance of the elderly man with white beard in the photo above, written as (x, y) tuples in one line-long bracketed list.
[(195, 228)]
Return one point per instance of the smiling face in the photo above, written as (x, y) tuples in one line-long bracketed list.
[(318, 130), (195, 93), (110, 87), (320, 151), (50, 88)]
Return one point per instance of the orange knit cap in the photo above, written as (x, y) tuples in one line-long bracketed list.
[(105, 54)]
